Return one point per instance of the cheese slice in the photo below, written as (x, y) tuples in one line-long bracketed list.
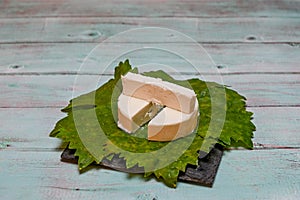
[(133, 112), (171, 124), (161, 92)]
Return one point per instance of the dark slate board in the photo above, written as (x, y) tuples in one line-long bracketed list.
[(204, 174)]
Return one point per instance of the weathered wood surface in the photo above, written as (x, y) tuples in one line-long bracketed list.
[(273, 130), (156, 8), (261, 174), (261, 90), (204, 30), (255, 48), (229, 58)]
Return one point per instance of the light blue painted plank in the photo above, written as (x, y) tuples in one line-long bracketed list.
[(242, 175), (67, 58), (29, 129), (277, 127), (57, 90), (135, 8), (216, 30)]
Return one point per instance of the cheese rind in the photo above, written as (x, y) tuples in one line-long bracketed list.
[(161, 92), (139, 101), (171, 124), (133, 112)]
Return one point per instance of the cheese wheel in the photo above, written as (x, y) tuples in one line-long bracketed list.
[(140, 102), (133, 112), (171, 124), (161, 92)]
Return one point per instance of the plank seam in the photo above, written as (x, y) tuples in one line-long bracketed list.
[(171, 17), (260, 147), (171, 73), (151, 17), (249, 42), (247, 106)]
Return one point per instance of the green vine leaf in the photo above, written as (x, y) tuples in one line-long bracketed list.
[(91, 130)]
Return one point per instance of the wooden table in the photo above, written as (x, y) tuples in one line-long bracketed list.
[(255, 48)]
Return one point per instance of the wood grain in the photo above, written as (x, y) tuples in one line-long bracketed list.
[(204, 30), (272, 174), (61, 58), (157, 8), (254, 45), (277, 127), (261, 90)]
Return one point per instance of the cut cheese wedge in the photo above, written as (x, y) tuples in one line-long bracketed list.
[(161, 92), (133, 112), (171, 124)]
